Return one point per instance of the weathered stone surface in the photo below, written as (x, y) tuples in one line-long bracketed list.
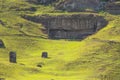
[(70, 26), (12, 57), (2, 44), (83, 5), (113, 7), (44, 2), (44, 55), (79, 5)]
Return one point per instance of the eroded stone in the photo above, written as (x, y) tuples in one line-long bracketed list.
[(79, 5), (77, 26), (113, 7), (44, 2)]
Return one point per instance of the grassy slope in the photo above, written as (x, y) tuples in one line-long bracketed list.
[(94, 58)]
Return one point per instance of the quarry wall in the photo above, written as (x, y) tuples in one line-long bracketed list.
[(70, 26)]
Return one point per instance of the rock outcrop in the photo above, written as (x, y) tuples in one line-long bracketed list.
[(89, 5), (79, 5), (70, 26), (113, 8), (44, 2)]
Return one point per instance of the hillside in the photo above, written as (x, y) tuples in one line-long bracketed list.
[(97, 57)]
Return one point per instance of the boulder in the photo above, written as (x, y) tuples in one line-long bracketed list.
[(2, 44)]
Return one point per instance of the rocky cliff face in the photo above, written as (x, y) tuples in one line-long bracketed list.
[(113, 8), (70, 26), (44, 2), (79, 5)]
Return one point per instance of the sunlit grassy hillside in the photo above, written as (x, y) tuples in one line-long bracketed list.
[(95, 58)]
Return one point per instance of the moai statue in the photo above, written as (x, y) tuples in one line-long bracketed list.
[(2, 44), (44, 55), (12, 56)]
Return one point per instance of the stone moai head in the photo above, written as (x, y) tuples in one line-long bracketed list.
[(2, 44), (44, 55), (12, 56)]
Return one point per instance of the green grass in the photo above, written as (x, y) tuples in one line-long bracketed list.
[(93, 58), (13, 21)]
